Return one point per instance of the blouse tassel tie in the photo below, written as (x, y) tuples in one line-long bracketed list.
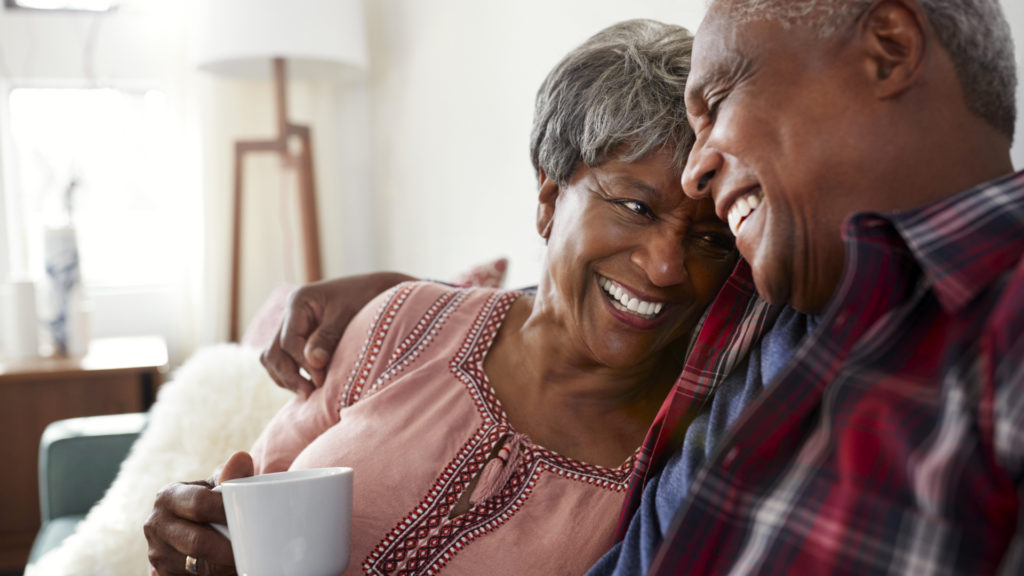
[(499, 469)]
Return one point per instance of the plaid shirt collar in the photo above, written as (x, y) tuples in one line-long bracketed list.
[(733, 323), (962, 242)]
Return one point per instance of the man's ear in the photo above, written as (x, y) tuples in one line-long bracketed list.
[(548, 193), (895, 34)]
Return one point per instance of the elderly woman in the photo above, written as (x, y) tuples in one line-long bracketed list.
[(507, 423)]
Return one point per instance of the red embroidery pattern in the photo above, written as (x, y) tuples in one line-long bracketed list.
[(418, 339), (426, 539), (374, 340), (468, 364)]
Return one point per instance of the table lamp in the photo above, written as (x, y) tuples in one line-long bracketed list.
[(307, 39)]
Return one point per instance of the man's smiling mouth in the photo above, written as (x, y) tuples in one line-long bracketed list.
[(622, 300), (742, 208)]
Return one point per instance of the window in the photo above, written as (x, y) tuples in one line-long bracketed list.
[(105, 153)]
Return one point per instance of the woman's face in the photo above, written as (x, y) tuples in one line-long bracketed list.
[(632, 261)]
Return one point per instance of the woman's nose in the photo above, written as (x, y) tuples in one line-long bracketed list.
[(663, 258)]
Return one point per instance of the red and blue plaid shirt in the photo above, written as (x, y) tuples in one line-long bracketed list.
[(893, 441)]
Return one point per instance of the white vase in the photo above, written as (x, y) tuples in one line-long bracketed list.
[(63, 282)]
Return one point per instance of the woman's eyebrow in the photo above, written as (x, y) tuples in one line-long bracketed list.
[(635, 184)]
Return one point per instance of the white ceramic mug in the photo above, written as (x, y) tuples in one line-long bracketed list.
[(294, 523)]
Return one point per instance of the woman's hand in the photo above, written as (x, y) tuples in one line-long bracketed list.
[(179, 525), (313, 323)]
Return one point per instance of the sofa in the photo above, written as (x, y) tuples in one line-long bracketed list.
[(78, 460)]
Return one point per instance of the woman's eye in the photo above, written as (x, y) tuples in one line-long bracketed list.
[(717, 243), (637, 207)]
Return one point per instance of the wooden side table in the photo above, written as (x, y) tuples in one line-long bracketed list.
[(116, 375)]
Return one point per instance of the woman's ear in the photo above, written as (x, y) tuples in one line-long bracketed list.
[(548, 193)]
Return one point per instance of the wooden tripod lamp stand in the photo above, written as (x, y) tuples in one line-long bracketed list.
[(295, 147), (312, 39)]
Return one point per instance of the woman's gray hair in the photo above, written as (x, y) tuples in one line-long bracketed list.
[(619, 95), (974, 32)]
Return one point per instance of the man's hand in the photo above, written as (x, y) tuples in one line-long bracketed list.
[(314, 320), (179, 525)]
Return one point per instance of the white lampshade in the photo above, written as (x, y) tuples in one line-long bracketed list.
[(319, 38)]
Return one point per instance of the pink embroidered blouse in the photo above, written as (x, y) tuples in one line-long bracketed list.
[(408, 406)]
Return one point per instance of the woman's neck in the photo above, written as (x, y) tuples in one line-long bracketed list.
[(564, 400)]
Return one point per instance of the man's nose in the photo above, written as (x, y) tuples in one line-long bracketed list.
[(701, 168)]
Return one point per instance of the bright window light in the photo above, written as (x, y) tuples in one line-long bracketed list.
[(116, 149)]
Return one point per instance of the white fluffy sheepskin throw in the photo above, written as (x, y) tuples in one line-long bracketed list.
[(215, 404)]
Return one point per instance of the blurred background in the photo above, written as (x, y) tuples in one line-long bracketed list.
[(421, 164)]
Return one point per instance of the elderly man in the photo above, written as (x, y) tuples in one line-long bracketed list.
[(872, 419), (860, 153)]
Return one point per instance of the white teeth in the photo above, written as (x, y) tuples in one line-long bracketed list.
[(742, 208), (627, 302), (734, 221)]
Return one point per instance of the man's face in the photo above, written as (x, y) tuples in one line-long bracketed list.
[(781, 144)]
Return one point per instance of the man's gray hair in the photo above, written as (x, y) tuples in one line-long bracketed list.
[(974, 32), (617, 96)]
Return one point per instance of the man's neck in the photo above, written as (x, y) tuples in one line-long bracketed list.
[(949, 165)]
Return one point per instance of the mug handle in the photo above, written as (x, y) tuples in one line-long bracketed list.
[(222, 528)]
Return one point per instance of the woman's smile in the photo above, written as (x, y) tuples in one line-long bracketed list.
[(624, 301)]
